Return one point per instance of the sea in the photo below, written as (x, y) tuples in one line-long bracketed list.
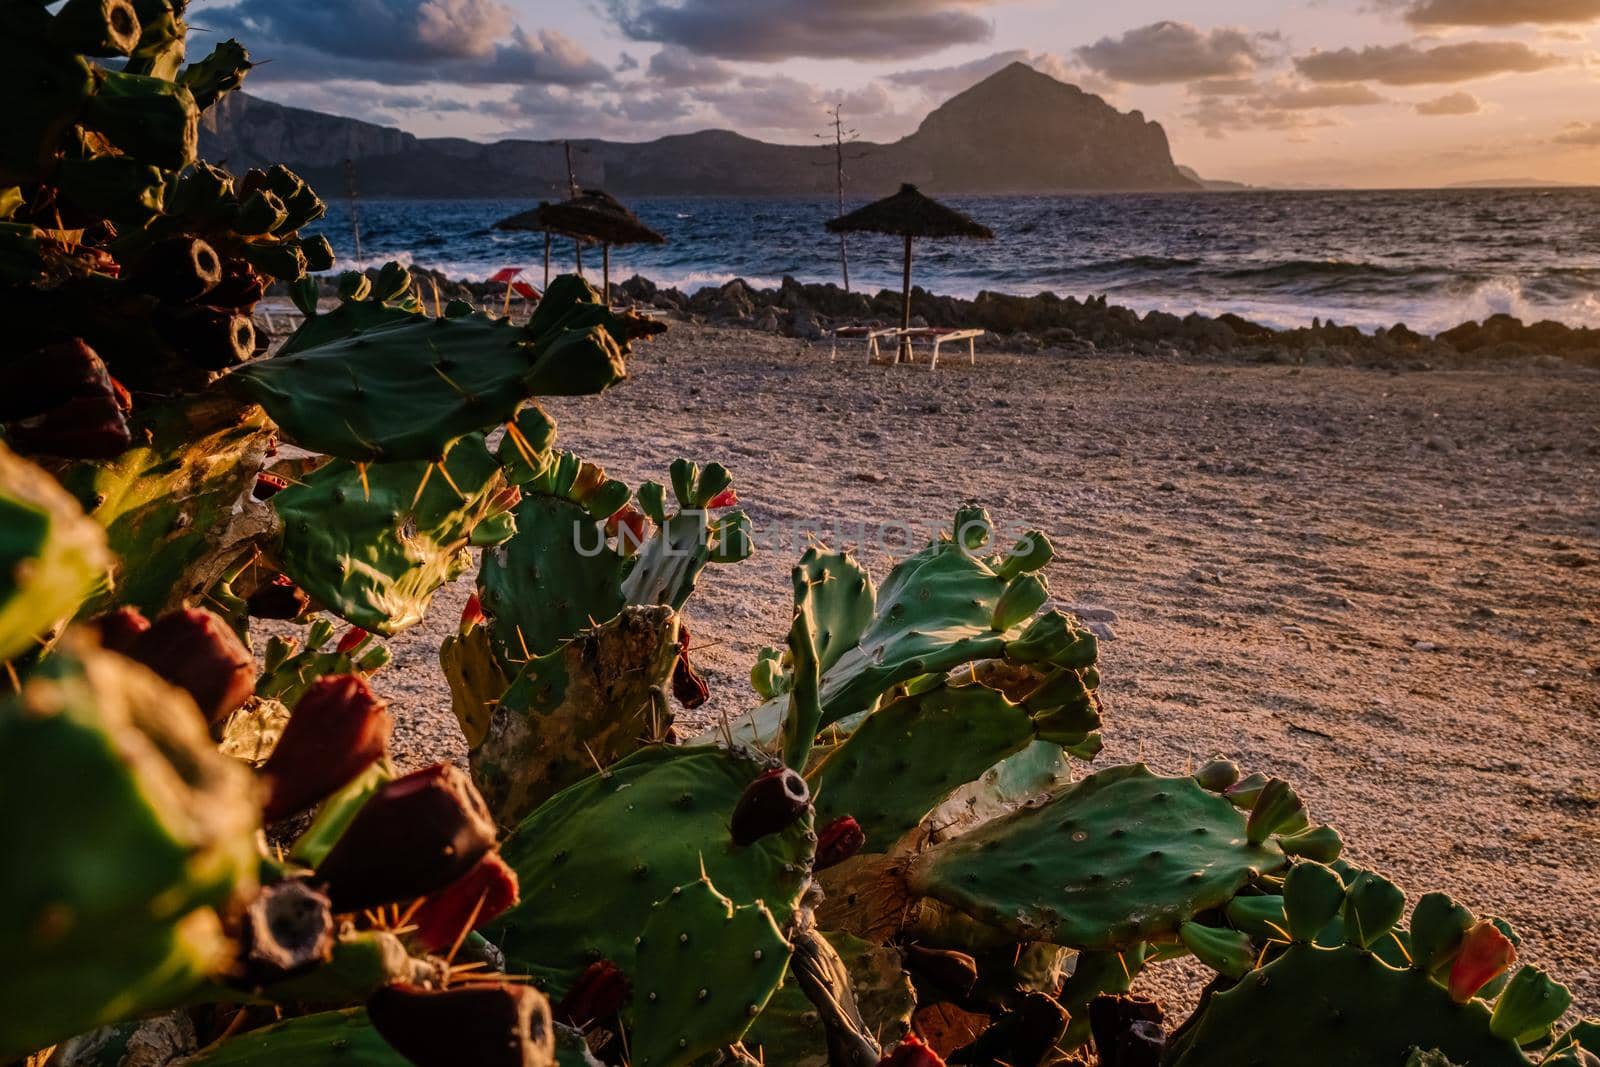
[(1430, 259)]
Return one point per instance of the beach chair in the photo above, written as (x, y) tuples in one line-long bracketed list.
[(940, 336), (869, 334)]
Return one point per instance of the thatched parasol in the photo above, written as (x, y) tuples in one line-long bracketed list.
[(594, 216), (909, 214)]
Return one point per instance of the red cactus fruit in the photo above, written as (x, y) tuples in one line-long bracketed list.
[(268, 486), (351, 640), (911, 1052), (502, 1025), (45, 379), (688, 686), (598, 995), (475, 897), (725, 499), (1485, 955), (472, 615), (196, 651), (838, 841), (414, 837), (769, 805), (631, 519), (120, 628), (83, 427), (278, 598), (338, 729)]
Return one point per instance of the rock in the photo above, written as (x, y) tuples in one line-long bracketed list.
[(1102, 630), (1091, 612), (1424, 646)]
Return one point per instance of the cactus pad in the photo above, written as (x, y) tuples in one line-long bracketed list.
[(168, 503), (52, 558), (654, 821), (703, 970), (135, 831), (906, 757), (591, 700), (370, 547), (334, 1038), (372, 382), (1340, 1006), (1118, 858)]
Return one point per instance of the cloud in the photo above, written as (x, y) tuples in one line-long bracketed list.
[(1582, 134), (1452, 104), (400, 42), (1500, 12), (769, 30), (1276, 105), (680, 68), (1407, 64), (1168, 52)]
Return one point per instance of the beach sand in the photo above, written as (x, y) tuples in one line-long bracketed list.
[(1383, 586)]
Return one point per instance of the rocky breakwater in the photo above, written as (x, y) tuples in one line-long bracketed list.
[(1070, 325)]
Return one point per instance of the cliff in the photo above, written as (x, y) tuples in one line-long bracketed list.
[(1017, 131)]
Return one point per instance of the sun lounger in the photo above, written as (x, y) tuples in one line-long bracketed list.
[(869, 334), (941, 336)]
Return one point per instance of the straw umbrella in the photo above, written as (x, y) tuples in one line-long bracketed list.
[(909, 214), (594, 216)]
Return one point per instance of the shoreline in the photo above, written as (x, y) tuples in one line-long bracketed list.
[(1070, 325)]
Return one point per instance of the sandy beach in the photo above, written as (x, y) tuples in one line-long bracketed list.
[(1384, 586)]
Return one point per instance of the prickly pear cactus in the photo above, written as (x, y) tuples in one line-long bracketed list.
[(52, 558), (168, 503), (704, 968), (375, 543), (1118, 858), (909, 755), (136, 831), (593, 700), (654, 821), (379, 383), (946, 606), (1339, 1006)]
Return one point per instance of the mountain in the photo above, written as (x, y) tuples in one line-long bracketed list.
[(1018, 131), (1212, 185)]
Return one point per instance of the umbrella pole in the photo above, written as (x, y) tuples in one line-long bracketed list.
[(605, 268), (904, 351), (547, 259), (577, 245)]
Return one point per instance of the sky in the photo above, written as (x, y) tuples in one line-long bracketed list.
[(1379, 93)]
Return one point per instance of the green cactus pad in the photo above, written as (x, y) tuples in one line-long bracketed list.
[(935, 612), (373, 382), (592, 860), (906, 757), (375, 552), (331, 1039), (476, 680), (135, 831), (1117, 858), (591, 700), (556, 577), (1336, 1007), (703, 970), (167, 504), (52, 558)]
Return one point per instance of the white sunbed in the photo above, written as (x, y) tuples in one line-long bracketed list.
[(870, 334), (941, 336)]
